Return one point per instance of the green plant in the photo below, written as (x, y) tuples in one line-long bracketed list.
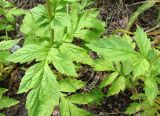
[(4, 54), (5, 102), (7, 19), (132, 61), (50, 31)]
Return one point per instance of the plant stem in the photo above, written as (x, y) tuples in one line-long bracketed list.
[(50, 18)]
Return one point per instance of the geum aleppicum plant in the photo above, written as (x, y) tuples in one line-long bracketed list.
[(49, 34), (130, 60)]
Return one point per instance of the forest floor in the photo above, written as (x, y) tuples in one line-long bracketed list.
[(116, 14)]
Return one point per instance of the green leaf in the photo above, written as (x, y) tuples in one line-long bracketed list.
[(64, 107), (62, 62), (71, 0), (85, 25), (3, 56), (42, 99), (75, 111), (149, 112), (14, 12), (32, 78), (118, 85), (69, 109), (70, 85), (95, 24), (60, 19), (127, 67), (103, 64), (28, 26), (142, 41), (85, 98), (4, 45), (133, 108), (113, 47), (151, 89), (6, 102), (138, 96), (108, 80), (2, 90), (87, 35), (29, 53), (141, 67), (77, 53)]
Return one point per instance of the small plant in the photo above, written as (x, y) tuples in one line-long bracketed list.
[(7, 22), (132, 61), (7, 19), (5, 102), (50, 31)]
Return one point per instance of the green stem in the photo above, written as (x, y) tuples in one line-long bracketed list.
[(6, 34), (50, 17)]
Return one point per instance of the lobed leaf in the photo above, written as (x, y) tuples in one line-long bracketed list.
[(113, 47), (151, 89), (76, 53), (118, 85), (142, 41), (29, 53), (42, 99)]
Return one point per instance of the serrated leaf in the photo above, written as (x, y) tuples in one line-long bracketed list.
[(4, 45), (64, 107), (29, 53), (6, 102), (75, 111), (133, 108), (151, 89), (95, 24), (69, 109), (62, 62), (103, 64), (113, 47), (42, 99), (76, 53), (141, 67), (28, 27), (126, 67), (118, 85), (142, 41), (85, 98), (31, 78), (129, 40), (60, 19), (87, 35), (108, 80), (70, 85)]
